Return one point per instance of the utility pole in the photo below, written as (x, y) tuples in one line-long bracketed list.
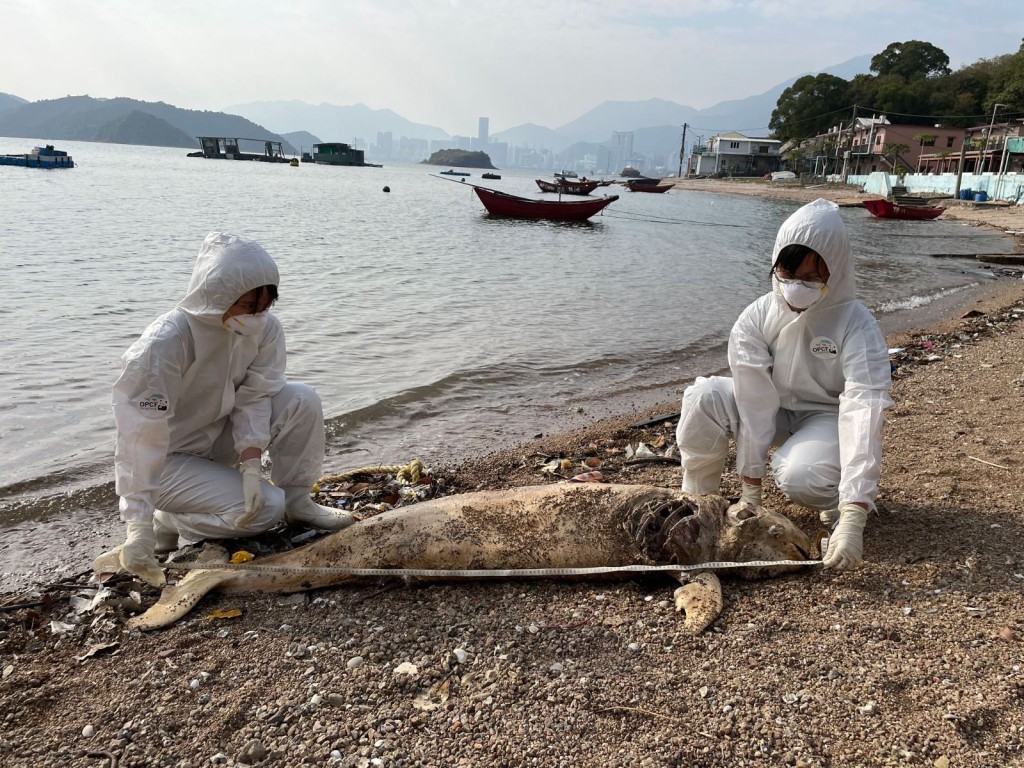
[(682, 152), (984, 155), (960, 167)]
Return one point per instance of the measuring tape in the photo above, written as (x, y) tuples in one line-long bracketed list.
[(483, 573)]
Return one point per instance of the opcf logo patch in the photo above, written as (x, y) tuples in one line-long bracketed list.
[(824, 348), (154, 403)]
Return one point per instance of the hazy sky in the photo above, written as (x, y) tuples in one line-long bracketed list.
[(447, 62)]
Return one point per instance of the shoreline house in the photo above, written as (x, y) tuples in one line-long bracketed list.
[(733, 154), (873, 144)]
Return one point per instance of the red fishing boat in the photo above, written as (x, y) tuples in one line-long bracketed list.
[(503, 204), (886, 209), (657, 188), (568, 186)]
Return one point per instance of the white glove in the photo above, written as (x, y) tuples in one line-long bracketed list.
[(252, 492), (846, 544), (138, 553), (750, 497)]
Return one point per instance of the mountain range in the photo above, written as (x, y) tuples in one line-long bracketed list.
[(655, 123), (122, 121)]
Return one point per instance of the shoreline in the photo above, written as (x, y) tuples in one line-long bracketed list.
[(912, 660), (1005, 219)]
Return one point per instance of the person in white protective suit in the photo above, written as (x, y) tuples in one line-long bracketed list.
[(810, 375), (202, 394)]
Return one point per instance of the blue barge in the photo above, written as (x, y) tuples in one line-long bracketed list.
[(40, 157)]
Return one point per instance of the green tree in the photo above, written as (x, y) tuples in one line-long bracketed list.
[(912, 60), (809, 106), (893, 152)]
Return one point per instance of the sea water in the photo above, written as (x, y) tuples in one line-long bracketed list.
[(429, 328)]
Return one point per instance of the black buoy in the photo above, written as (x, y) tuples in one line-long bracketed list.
[(387, 189)]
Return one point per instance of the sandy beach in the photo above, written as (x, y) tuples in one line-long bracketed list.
[(995, 215), (913, 660)]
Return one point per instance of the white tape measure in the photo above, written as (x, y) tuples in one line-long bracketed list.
[(483, 573)]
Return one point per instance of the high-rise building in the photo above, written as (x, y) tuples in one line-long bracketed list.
[(622, 150), (482, 132)]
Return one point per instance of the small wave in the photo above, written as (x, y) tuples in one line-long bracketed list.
[(916, 302)]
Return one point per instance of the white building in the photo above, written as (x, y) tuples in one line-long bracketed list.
[(733, 154)]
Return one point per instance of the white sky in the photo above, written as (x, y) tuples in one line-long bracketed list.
[(447, 62)]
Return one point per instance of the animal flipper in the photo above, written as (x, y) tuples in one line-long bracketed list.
[(700, 600)]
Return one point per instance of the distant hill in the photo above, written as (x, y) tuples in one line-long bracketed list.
[(140, 128), (333, 122), (749, 115), (83, 118), (598, 123), (304, 140), (10, 101), (535, 136)]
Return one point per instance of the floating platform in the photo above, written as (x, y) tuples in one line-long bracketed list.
[(40, 157)]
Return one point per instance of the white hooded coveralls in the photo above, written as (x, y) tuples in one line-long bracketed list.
[(193, 395), (815, 383)]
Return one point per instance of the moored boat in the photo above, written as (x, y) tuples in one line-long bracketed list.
[(40, 157), (491, 176), (503, 204), (566, 187), (656, 188), (450, 172), (886, 209)]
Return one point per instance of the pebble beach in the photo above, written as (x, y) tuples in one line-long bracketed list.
[(916, 659)]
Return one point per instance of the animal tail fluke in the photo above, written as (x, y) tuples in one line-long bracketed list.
[(178, 600)]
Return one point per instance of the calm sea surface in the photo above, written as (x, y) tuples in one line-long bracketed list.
[(430, 329)]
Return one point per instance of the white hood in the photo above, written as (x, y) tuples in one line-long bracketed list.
[(819, 226), (227, 267)]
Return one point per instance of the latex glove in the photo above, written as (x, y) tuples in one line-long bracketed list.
[(252, 492), (138, 553), (750, 497), (846, 544)]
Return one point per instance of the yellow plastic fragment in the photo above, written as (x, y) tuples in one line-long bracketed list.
[(224, 613), (315, 488), (241, 556)]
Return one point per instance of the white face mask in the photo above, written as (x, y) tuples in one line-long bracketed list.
[(798, 295), (247, 325)]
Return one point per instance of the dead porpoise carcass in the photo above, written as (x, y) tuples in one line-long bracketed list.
[(543, 526)]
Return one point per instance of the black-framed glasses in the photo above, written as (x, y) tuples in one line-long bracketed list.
[(789, 280)]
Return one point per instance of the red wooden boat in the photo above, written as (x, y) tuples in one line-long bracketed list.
[(568, 186), (503, 204), (886, 209), (634, 187)]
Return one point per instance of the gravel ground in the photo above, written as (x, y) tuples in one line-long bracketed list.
[(913, 660)]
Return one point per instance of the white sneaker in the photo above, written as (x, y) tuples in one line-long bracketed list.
[(300, 508)]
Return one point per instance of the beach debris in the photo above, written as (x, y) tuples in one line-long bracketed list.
[(98, 649), (61, 627), (588, 477), (370, 490), (241, 556), (989, 463), (640, 450), (223, 613)]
